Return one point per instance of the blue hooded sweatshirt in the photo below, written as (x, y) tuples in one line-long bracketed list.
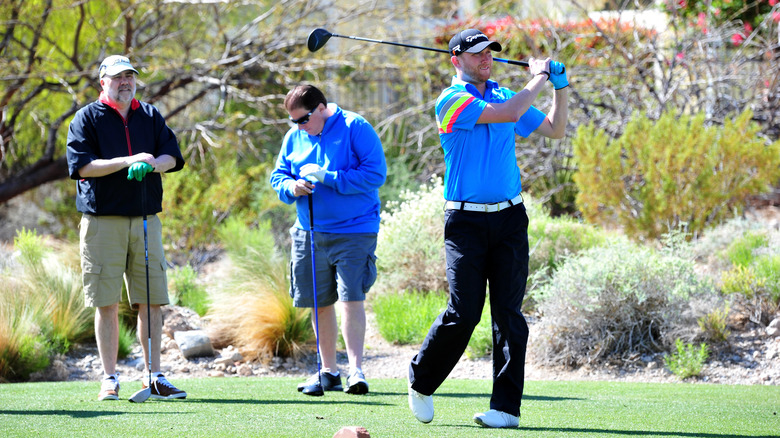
[(350, 152)]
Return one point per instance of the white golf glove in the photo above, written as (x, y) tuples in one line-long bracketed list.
[(313, 170)]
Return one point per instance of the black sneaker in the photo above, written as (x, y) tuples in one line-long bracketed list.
[(356, 383), (164, 390), (330, 382)]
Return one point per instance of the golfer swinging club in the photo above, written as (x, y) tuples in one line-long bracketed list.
[(486, 226), (342, 152)]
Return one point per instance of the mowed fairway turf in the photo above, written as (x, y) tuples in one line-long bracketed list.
[(271, 407)]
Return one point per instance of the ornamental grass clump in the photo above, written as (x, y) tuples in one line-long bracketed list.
[(251, 309), (615, 301), (42, 309)]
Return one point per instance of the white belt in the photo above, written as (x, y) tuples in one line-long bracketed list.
[(483, 208)]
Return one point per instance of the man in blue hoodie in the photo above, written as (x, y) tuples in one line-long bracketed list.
[(340, 151)]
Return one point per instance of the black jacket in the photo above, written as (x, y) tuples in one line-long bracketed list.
[(98, 131)]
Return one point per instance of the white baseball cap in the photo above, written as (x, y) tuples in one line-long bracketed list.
[(115, 64)]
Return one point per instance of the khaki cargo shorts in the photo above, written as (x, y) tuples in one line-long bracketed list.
[(112, 249)]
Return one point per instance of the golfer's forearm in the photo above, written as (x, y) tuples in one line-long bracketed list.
[(522, 101), (559, 114), (511, 110), (164, 163), (102, 167)]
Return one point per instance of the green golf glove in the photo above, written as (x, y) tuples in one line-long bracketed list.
[(138, 170)]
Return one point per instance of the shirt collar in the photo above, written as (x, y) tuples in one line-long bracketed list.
[(104, 99), (332, 119), (490, 85)]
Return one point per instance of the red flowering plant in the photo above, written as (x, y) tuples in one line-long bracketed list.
[(749, 14), (568, 42)]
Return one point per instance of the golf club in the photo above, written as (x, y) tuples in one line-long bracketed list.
[(315, 390), (143, 394), (319, 37)]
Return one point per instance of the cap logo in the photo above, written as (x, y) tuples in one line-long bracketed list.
[(120, 60), (473, 37)]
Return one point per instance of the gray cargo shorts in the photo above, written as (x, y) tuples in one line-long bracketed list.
[(345, 264)]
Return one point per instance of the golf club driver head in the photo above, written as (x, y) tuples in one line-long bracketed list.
[(317, 38), (141, 396), (315, 390)]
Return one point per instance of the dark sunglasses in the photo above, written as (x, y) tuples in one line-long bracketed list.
[(303, 120)]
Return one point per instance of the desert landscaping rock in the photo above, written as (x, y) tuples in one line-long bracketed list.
[(193, 343)]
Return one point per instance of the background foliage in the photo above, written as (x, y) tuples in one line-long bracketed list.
[(660, 175), (218, 71)]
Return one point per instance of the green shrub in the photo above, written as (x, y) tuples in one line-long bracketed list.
[(185, 291), (33, 355), (410, 247), (127, 337), (31, 248), (687, 361), (58, 290), (661, 175), (741, 251), (405, 318), (481, 342), (711, 246), (742, 280), (755, 288), (614, 301), (552, 239), (410, 250), (714, 324), (768, 268), (198, 200)]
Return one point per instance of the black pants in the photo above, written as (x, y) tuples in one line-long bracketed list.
[(481, 248)]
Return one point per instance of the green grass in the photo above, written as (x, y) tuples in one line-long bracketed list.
[(271, 407)]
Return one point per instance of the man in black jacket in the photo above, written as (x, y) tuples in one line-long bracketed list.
[(117, 148)]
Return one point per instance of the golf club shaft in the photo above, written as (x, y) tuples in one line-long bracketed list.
[(148, 298), (314, 286), (507, 61)]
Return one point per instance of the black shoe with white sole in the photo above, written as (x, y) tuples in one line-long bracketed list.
[(330, 382), (356, 383)]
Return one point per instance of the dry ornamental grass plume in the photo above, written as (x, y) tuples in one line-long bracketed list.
[(260, 323), (251, 307)]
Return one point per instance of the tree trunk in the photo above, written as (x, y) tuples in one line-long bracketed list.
[(43, 171)]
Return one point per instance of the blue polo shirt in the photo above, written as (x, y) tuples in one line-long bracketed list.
[(480, 158)]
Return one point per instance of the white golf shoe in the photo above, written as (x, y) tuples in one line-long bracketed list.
[(421, 405), (496, 419)]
